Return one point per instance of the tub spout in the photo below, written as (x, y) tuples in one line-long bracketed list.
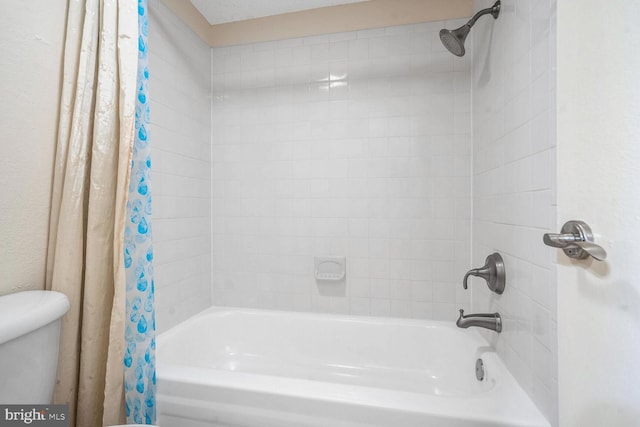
[(491, 321)]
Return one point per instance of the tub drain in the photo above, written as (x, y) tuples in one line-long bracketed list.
[(479, 370)]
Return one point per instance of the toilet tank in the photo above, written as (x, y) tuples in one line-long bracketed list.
[(29, 343)]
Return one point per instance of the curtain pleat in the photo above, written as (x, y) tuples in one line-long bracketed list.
[(114, 410)]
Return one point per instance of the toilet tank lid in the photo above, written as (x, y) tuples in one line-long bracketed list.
[(26, 311)]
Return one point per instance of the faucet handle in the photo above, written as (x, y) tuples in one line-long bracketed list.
[(493, 272)]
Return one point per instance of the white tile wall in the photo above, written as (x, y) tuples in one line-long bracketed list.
[(355, 144), (514, 186), (359, 145), (180, 87)]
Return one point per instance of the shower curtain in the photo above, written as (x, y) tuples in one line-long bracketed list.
[(140, 323), (91, 179)]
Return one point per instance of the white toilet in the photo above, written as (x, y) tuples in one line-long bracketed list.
[(29, 344)]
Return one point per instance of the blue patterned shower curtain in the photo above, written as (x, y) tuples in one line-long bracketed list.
[(139, 357)]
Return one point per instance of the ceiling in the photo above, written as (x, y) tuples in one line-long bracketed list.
[(222, 11)]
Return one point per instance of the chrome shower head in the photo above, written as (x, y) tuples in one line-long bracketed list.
[(453, 40)]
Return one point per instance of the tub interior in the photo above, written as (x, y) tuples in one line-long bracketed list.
[(411, 356)]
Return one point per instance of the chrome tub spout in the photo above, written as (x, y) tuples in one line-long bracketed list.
[(491, 321)]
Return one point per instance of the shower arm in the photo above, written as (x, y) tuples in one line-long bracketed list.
[(493, 10)]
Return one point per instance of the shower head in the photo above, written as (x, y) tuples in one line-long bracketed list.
[(453, 40)]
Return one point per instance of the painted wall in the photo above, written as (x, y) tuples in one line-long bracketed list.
[(325, 20), (30, 73), (514, 184), (598, 166), (180, 87), (353, 144), (336, 19)]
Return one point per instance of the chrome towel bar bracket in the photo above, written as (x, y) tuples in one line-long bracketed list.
[(576, 240)]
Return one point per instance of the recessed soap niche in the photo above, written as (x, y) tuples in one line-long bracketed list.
[(330, 268)]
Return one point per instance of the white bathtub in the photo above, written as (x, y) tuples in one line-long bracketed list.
[(258, 368)]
